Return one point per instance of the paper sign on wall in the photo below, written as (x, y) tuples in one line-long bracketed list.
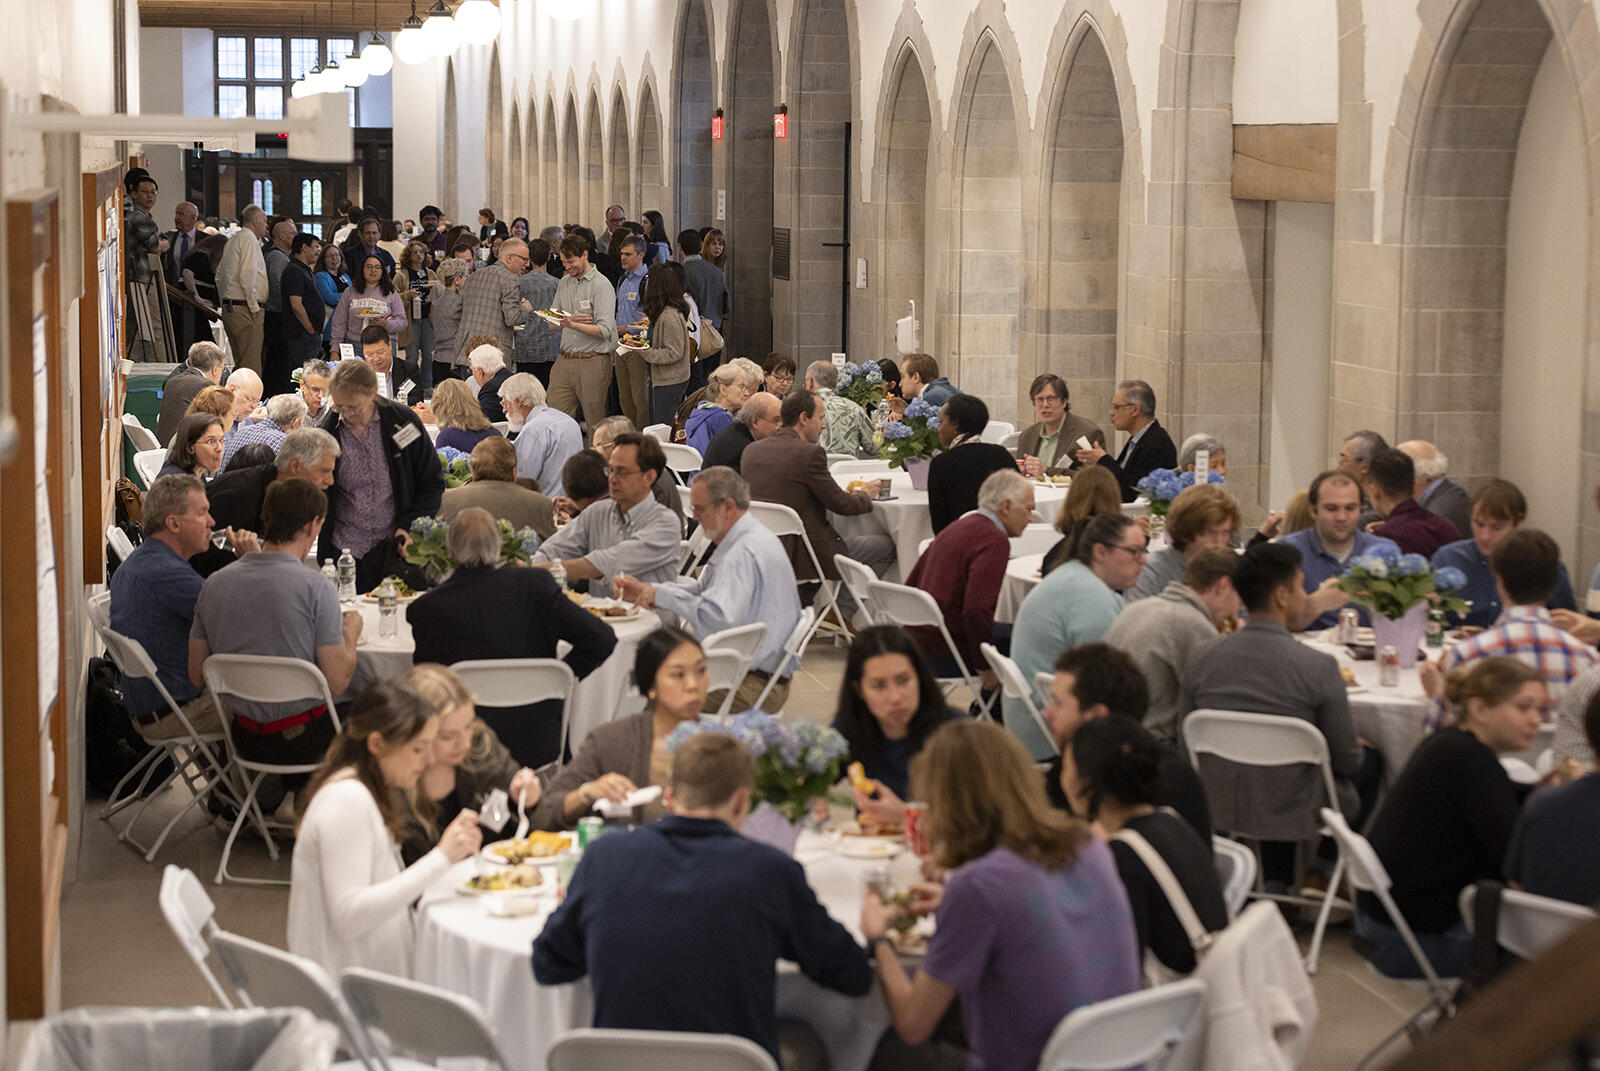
[(838, 361)]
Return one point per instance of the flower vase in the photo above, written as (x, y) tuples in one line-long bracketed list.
[(770, 826), (917, 469), (1403, 633), (1158, 531)]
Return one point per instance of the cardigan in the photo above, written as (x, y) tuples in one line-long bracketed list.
[(621, 747)]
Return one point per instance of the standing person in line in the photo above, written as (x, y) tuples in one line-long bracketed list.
[(492, 302), (372, 300), (633, 374), (445, 315), (303, 312), (655, 232), (332, 280), (242, 287), (536, 349), (275, 364), (668, 355), (416, 283), (704, 282), (588, 335)]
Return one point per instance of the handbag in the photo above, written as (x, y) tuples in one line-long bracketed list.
[(710, 340)]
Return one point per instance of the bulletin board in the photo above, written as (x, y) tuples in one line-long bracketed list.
[(33, 728), (102, 386)]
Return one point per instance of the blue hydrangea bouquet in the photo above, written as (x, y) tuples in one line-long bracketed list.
[(456, 469), (862, 384), (1161, 486), (427, 548), (1391, 584), (915, 436), (796, 762)]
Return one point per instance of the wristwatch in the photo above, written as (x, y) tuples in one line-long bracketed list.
[(881, 939)]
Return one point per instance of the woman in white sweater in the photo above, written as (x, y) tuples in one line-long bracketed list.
[(349, 898)]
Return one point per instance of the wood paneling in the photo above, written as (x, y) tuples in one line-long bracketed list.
[(1284, 162), (281, 15)]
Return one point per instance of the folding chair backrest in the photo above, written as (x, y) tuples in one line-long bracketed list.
[(725, 668), (190, 916), (746, 639), (1010, 442), (684, 491), (501, 427), (857, 577), (268, 679), (681, 458), (797, 637), (1035, 539), (834, 459), (996, 431), (140, 436), (1043, 681), (783, 521), (100, 606), (1365, 870), (1125, 1031), (905, 605), (516, 682), (128, 653), (147, 463), (1528, 924), (424, 1020), (267, 977), (1258, 740), (120, 543), (1236, 866), (1015, 686), (849, 466), (662, 433), (589, 1049)]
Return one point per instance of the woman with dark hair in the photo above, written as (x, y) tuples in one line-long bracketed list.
[(332, 280), (889, 703), (956, 473), (349, 898), (669, 354), (655, 232), (371, 300), (631, 753), (519, 228), (250, 456), (416, 283), (1112, 770), (1032, 921), (777, 373), (196, 447), (891, 377)]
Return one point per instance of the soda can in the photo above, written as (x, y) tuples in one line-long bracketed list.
[(1349, 623), (590, 829), (566, 865), (917, 828), (1388, 666)]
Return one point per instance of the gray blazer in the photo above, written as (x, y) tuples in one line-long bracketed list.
[(621, 747), (1450, 501)]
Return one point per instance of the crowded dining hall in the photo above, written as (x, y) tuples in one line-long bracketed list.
[(833, 536)]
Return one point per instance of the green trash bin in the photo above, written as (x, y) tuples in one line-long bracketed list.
[(144, 402)]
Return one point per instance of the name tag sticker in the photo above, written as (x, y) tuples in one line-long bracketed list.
[(585, 306), (406, 436), (633, 295), (1084, 443), (347, 351)]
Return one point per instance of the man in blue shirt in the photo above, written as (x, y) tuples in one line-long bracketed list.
[(1330, 543), (632, 371), (679, 924), (546, 437)]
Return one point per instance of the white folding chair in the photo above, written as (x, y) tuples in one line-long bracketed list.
[(1527, 925), (783, 521), (262, 679), (1367, 874), (1270, 740), (518, 682), (195, 758), (662, 433), (191, 916), (267, 977), (1015, 686), (682, 459), (922, 547), (1236, 866), (728, 657), (503, 427), (140, 436), (1035, 539), (590, 1049), (832, 458), (1543, 739), (1042, 682), (431, 1023), (908, 606), (856, 579), (147, 463), (1011, 441), (996, 431), (793, 648), (121, 545), (849, 466), (1140, 1028)]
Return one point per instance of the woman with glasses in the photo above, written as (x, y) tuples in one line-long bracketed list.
[(370, 300), (416, 283), (332, 280), (778, 371), (196, 448)]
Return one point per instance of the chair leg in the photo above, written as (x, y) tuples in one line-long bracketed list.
[(1328, 899), (1407, 1027), (147, 766), (252, 810)]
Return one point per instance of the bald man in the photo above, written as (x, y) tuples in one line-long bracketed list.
[(242, 286), (189, 325), (276, 364), (491, 301), (1433, 491)]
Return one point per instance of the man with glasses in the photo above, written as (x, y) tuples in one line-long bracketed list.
[(1149, 447), (604, 439), (1073, 605), (1048, 447), (756, 419), (545, 437), (492, 302), (616, 216), (630, 533)]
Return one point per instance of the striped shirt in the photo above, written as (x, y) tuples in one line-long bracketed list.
[(1527, 634)]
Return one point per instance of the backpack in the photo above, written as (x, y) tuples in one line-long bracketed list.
[(112, 746)]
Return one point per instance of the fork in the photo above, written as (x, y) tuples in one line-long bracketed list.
[(522, 815)]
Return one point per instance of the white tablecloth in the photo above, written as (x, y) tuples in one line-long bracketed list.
[(1022, 574), (464, 949), (1389, 717), (602, 696)]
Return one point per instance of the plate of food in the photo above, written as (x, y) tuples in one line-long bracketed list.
[(402, 591), (511, 880), (861, 847), (1062, 480), (537, 847), (551, 315), (633, 340), (611, 609), (638, 325), (867, 826)]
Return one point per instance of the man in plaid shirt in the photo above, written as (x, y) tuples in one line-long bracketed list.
[(1527, 567)]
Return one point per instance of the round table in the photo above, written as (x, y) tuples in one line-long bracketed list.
[(602, 696), (463, 948), (1391, 718), (1022, 575)]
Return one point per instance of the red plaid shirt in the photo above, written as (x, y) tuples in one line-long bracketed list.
[(1527, 634)]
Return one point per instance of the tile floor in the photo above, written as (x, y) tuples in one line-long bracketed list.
[(116, 948)]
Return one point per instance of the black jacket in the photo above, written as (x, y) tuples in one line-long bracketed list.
[(955, 476), (1154, 450), (415, 474), (235, 499), (489, 395), (727, 446)]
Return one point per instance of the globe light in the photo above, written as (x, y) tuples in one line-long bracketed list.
[(376, 57), (300, 89), (440, 30), (410, 46), (479, 21), (355, 72)]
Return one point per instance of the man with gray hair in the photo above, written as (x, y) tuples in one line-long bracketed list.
[(242, 287), (963, 569), (546, 436), (1355, 455), (849, 430), (748, 579), (202, 369), (491, 301), (236, 495), (487, 366), (485, 611), (314, 376), (1149, 447), (285, 413), (1434, 491), (756, 419)]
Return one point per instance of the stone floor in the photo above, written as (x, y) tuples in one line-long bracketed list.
[(116, 948)]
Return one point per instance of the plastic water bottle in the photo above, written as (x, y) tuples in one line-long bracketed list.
[(330, 573), (347, 576), (388, 609), (558, 573)]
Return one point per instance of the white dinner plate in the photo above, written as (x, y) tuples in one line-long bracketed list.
[(487, 854), (853, 831), (869, 848), (544, 888), (633, 611)]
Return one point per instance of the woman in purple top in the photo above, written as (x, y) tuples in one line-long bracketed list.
[(1032, 920), (371, 299), (460, 418)]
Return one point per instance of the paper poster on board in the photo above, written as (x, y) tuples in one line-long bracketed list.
[(48, 625)]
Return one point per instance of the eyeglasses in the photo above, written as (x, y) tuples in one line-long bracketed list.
[(210, 440), (508, 256), (1124, 405), (612, 470), (1140, 551)]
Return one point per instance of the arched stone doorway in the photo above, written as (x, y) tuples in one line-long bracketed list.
[(515, 205), (451, 148), (571, 166), (621, 176), (550, 177), (652, 179), (495, 164), (905, 197), (592, 210), (694, 93), (533, 184), (748, 227)]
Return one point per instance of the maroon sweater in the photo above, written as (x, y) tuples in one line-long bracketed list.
[(1415, 530), (963, 569)]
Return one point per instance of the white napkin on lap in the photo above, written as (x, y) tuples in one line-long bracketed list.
[(637, 798)]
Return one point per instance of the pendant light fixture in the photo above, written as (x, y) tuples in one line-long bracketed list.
[(355, 71), (439, 29), (479, 21), (410, 44), (376, 56)]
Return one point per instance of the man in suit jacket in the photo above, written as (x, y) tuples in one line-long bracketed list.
[(788, 467), (202, 369), (1149, 447), (1436, 492), (956, 474), (491, 301), (487, 366), (486, 611), (1048, 447)]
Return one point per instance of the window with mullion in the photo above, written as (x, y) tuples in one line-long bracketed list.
[(254, 74)]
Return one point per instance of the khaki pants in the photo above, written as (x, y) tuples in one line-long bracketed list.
[(633, 388), (246, 330), (578, 385), (744, 698), (201, 712)]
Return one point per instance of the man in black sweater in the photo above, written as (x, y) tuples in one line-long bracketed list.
[(757, 418)]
